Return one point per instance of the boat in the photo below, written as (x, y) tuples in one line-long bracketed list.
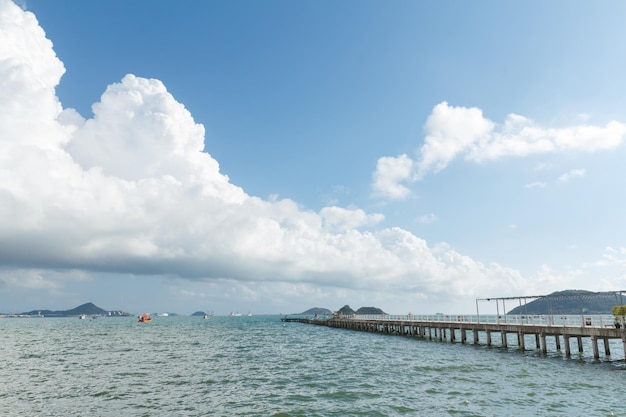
[(82, 317), (145, 318), (237, 314)]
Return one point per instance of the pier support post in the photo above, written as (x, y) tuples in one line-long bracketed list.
[(557, 342), (607, 350), (580, 344), (475, 334), (537, 342), (504, 341), (544, 348), (463, 336), (488, 337), (594, 344), (568, 351), (520, 341)]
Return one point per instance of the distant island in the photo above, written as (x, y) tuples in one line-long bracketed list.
[(569, 302), (88, 309), (345, 310), (317, 311), (199, 314)]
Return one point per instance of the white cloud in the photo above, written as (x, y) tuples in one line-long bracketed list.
[(338, 219), (428, 218), (450, 131), (462, 132), (132, 191), (390, 172), (571, 174), (536, 184)]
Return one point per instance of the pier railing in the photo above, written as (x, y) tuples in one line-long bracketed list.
[(592, 320)]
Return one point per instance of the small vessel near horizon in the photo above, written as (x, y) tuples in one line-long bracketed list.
[(82, 317), (145, 318)]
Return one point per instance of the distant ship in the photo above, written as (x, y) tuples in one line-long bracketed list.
[(235, 314)]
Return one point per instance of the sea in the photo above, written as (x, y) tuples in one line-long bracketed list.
[(260, 366)]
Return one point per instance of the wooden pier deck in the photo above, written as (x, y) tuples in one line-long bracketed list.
[(536, 329)]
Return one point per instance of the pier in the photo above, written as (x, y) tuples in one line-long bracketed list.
[(523, 331)]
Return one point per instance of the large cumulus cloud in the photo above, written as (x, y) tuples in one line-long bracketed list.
[(133, 190)]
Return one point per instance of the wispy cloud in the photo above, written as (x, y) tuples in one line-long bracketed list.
[(571, 174), (428, 218), (536, 184), (463, 132)]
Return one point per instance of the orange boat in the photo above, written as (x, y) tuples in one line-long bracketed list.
[(145, 318)]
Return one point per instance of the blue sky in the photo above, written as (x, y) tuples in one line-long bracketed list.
[(275, 156)]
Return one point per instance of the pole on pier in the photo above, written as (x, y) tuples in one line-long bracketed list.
[(477, 313), (497, 312)]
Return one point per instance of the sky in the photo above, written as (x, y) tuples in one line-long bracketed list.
[(269, 157)]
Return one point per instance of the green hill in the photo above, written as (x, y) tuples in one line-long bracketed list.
[(347, 311), (88, 309), (317, 310), (370, 311), (570, 302)]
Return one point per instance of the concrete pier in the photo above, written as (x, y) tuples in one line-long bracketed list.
[(444, 329)]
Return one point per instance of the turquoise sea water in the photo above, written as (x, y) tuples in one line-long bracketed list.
[(258, 366)]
